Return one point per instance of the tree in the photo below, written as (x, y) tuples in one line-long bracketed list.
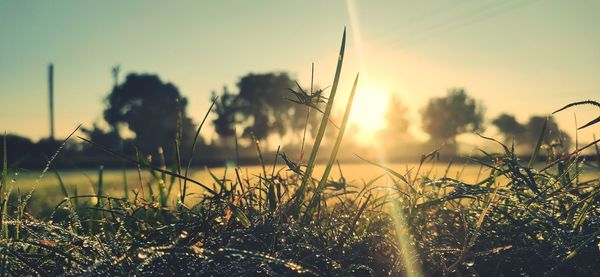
[(225, 111), (396, 122), (528, 134), (18, 148), (109, 139), (262, 107), (509, 127), (554, 136), (446, 117), (153, 110)]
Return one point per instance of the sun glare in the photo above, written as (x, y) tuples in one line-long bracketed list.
[(368, 111)]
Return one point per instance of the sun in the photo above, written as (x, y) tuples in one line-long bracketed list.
[(368, 112)]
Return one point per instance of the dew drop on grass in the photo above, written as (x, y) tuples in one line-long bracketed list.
[(143, 255), (184, 234), (539, 236), (469, 263)]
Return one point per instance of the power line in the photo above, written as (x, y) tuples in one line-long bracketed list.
[(415, 20), (416, 32), (484, 14)]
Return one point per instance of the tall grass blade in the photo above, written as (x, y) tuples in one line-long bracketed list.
[(301, 192), (189, 164), (271, 196), (590, 123), (220, 182), (585, 102), (316, 197), (390, 171), (597, 151), (47, 167), (61, 183), (100, 191), (538, 145), (237, 149), (264, 170), (178, 135), (584, 210)]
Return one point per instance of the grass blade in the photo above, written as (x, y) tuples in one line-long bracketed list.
[(538, 145), (63, 187), (47, 167), (187, 168), (316, 197), (390, 171), (301, 192)]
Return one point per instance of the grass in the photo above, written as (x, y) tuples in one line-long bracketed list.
[(510, 218)]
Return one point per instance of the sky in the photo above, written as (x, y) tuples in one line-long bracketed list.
[(523, 57)]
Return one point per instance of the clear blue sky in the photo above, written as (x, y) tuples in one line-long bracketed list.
[(519, 56)]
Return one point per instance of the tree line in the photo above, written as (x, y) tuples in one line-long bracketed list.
[(262, 106)]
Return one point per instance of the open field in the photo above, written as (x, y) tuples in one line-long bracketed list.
[(48, 192)]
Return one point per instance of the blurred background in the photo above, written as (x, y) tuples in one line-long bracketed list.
[(143, 74)]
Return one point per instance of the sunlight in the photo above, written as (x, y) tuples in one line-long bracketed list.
[(368, 112)]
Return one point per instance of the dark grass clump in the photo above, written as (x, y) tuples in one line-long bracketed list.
[(205, 240)]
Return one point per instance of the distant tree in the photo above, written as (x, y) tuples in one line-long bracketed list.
[(261, 107), (528, 134), (446, 117), (509, 127), (225, 110), (396, 121), (109, 139), (554, 135), (153, 110), (18, 148)]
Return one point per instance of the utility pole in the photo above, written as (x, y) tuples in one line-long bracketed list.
[(115, 73), (51, 95)]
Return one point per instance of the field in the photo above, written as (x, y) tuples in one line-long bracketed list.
[(48, 191)]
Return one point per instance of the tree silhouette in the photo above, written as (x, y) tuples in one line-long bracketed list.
[(225, 110), (18, 148), (261, 106), (109, 139), (396, 122), (509, 127), (153, 110), (446, 117), (528, 134), (554, 136)]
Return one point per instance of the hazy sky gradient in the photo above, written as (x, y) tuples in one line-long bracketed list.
[(523, 57)]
